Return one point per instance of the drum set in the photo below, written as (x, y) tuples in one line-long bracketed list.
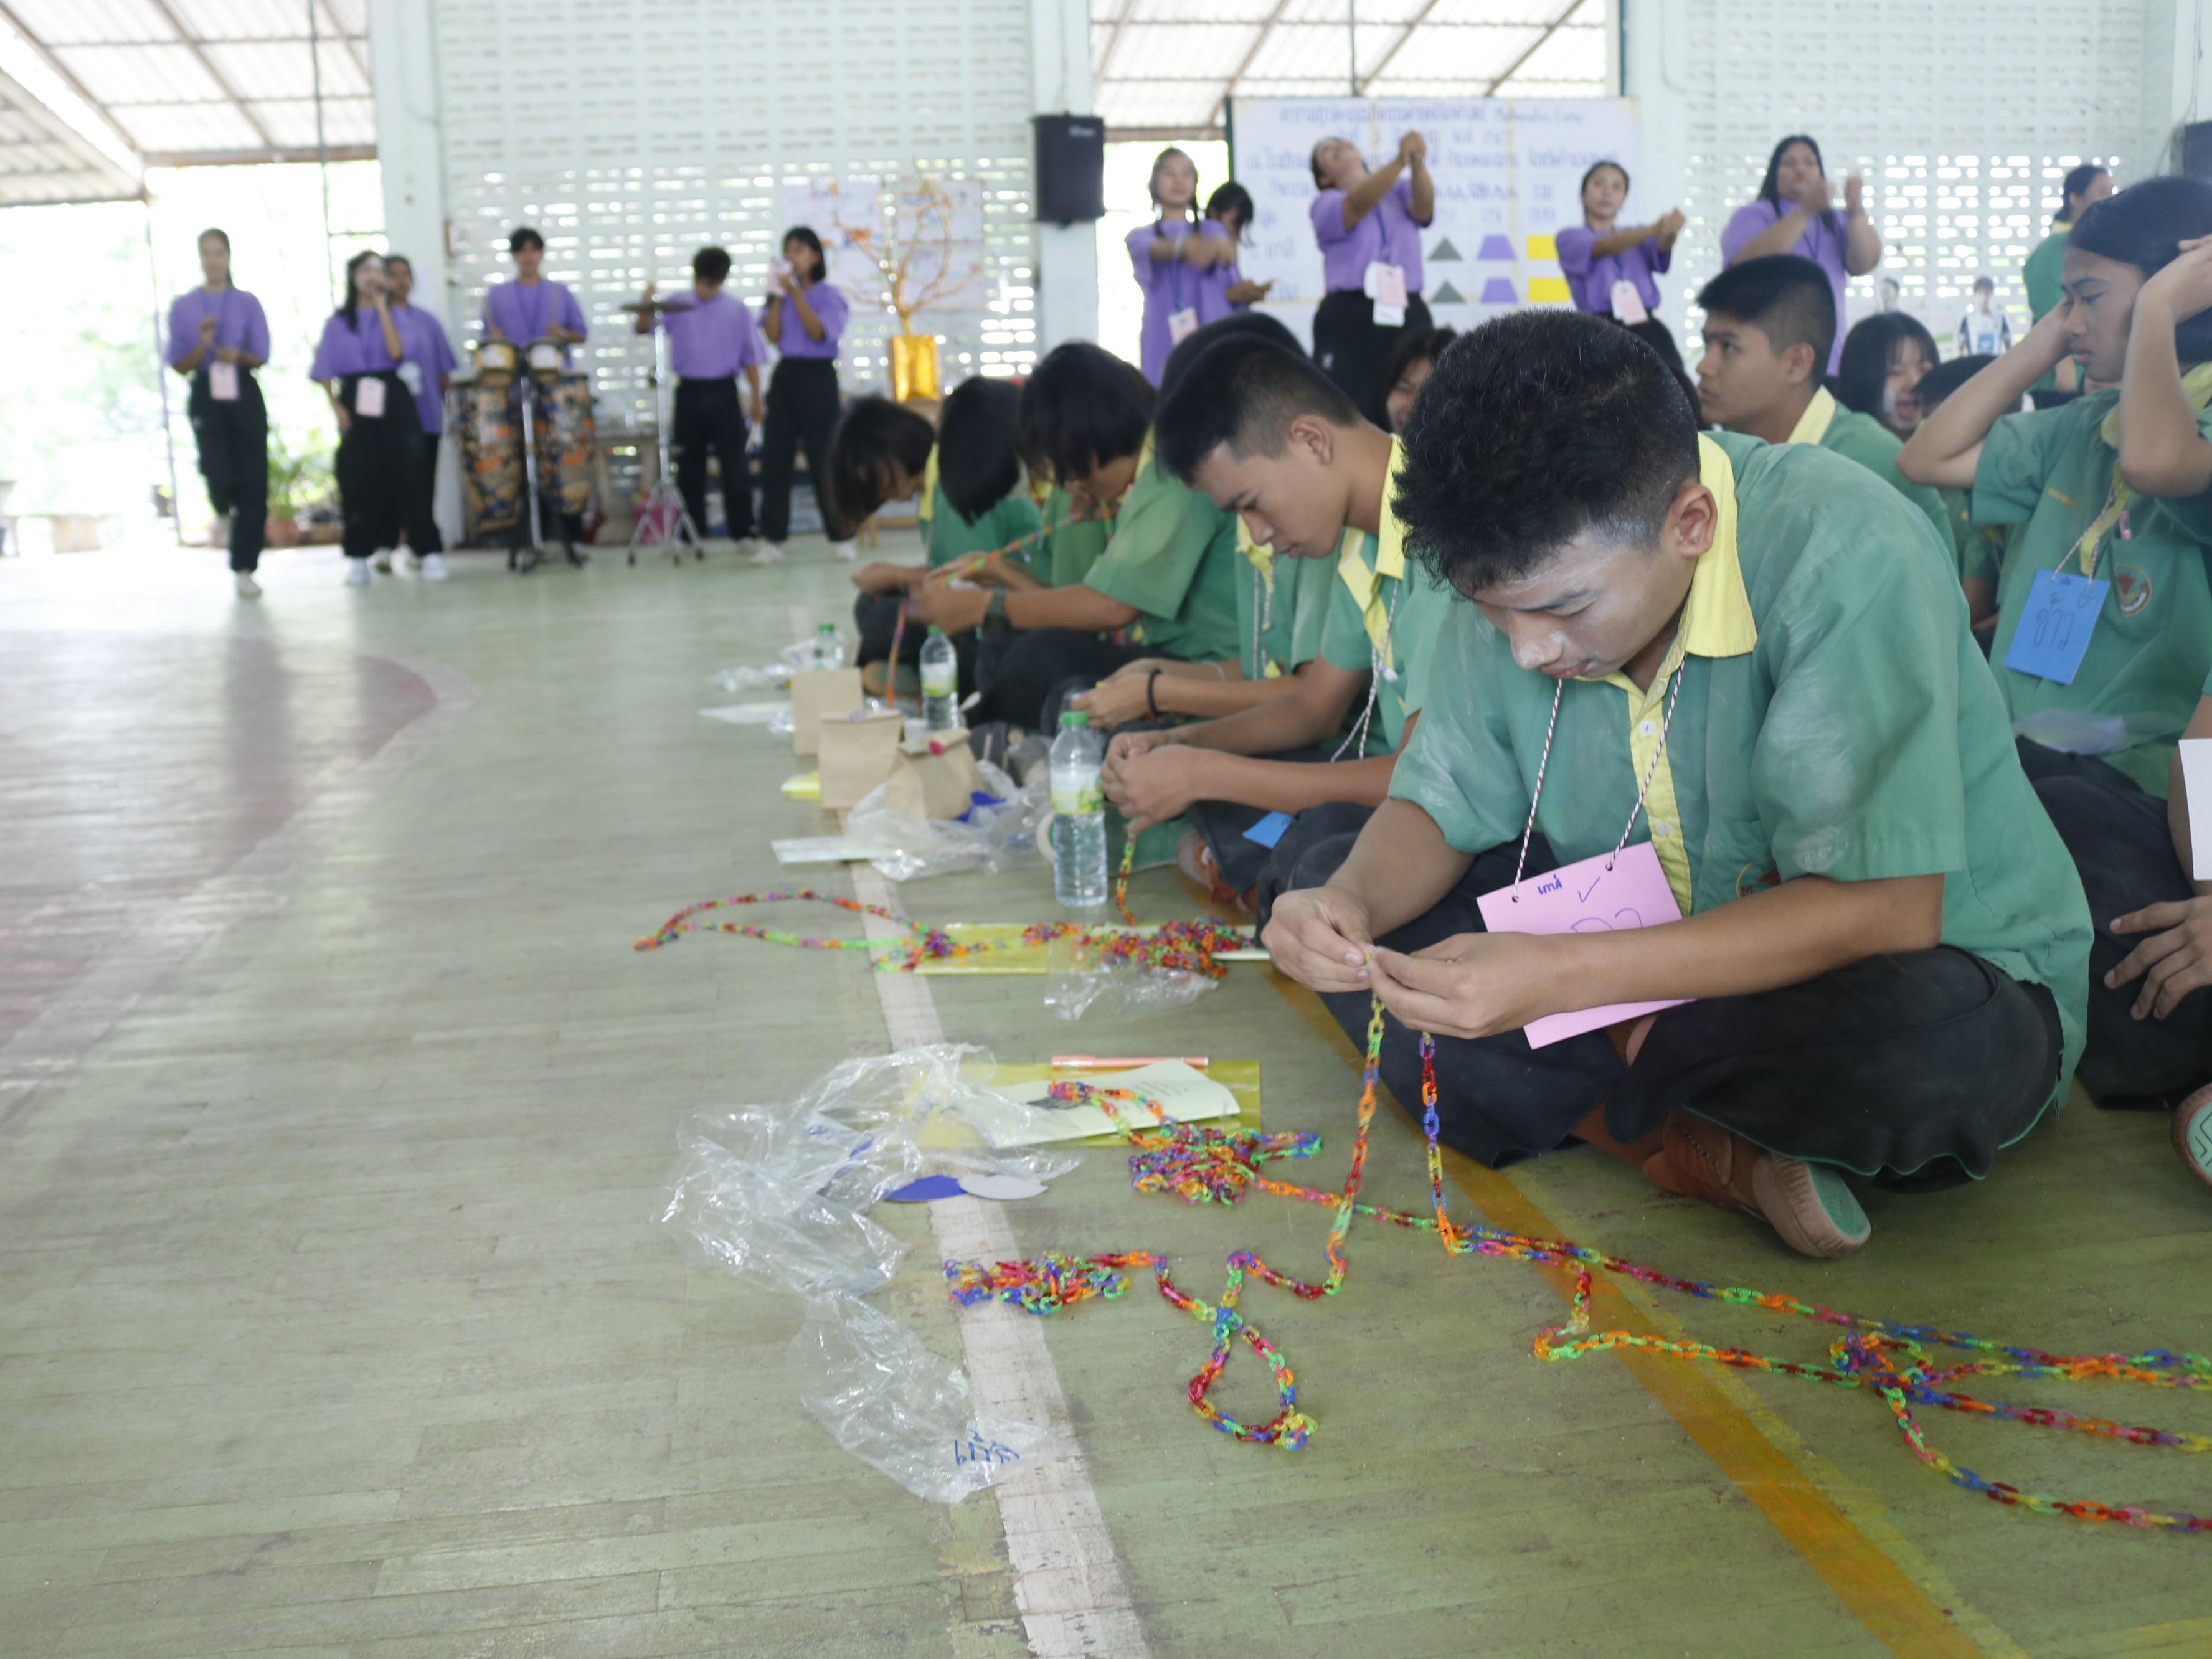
[(516, 488)]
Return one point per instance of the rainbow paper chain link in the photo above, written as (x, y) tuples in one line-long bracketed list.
[(1202, 1165)]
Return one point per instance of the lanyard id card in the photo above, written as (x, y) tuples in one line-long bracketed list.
[(1386, 286), (2056, 626), (410, 376), (1182, 324), (222, 382), (1628, 304), (368, 398)]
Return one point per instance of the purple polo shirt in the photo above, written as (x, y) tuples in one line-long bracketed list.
[(1820, 244), (429, 350), (1388, 232), (524, 311), (712, 339), (830, 310), (239, 323), (1591, 278), (1168, 286), (352, 349), (1214, 283)]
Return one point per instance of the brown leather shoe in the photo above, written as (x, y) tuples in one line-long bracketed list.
[(1195, 860), (1808, 1205)]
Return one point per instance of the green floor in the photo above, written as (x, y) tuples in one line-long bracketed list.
[(334, 1318)]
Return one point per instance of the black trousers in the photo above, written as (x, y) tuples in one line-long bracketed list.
[(1351, 347), (1025, 675), (1222, 823), (232, 439), (2123, 848), (802, 408), (380, 468), (1911, 1069), (429, 480), (875, 619), (709, 416)]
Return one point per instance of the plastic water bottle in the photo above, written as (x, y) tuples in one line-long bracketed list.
[(829, 649), (940, 683), (1079, 815)]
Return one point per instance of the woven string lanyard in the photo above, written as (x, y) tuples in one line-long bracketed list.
[(1263, 610), (1649, 773), (1357, 737)]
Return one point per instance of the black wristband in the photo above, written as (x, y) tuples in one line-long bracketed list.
[(1152, 686), (995, 612)]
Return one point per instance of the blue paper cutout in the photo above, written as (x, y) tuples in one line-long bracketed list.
[(1269, 829), (2056, 626)]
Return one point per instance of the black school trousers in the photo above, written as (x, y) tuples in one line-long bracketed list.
[(2123, 847), (708, 416), (428, 482), (380, 468), (1351, 347), (232, 439), (1911, 1069), (1026, 674), (802, 408)]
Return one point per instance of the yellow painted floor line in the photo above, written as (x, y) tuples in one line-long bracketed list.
[(1886, 1600)]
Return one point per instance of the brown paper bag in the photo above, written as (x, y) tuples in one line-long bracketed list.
[(939, 786), (856, 755), (823, 692)]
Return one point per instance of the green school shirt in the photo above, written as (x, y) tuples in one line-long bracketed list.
[(1173, 555), (1980, 547), (951, 537), (1864, 439), (1071, 545), (2051, 472), (1835, 719), (1415, 604), (1276, 630), (2041, 276)]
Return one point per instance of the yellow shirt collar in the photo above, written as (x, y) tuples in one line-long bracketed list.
[(1390, 537), (925, 502), (1262, 558), (1813, 425), (1717, 619)]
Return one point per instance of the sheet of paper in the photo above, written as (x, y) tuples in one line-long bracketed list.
[(2197, 787), (1585, 897), (747, 714), (2054, 630), (222, 382), (827, 849), (1186, 1096), (368, 398)]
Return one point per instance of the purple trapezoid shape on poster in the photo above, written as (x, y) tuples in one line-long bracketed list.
[(1496, 248), (1498, 291)]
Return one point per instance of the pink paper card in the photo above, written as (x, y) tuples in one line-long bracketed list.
[(1585, 897)]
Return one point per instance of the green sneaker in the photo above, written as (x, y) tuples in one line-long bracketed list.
[(2192, 1134)]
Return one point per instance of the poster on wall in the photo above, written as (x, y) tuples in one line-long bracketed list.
[(1507, 172), (929, 255), (847, 215)]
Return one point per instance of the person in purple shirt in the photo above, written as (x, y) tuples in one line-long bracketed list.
[(1222, 288), (532, 306), (1794, 214), (1599, 254), (217, 337), (711, 337), (1159, 259), (1368, 223), (804, 319), (379, 459), (428, 370)]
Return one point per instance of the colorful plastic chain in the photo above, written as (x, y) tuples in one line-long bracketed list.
[(1201, 1164)]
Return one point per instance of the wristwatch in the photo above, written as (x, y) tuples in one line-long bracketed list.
[(995, 612)]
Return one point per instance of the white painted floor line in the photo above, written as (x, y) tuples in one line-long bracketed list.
[(84, 1011), (1067, 1581)]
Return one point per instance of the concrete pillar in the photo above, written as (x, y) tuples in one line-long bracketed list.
[(1066, 255)]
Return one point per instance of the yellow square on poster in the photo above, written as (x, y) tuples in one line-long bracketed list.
[(1548, 290), (1542, 248)]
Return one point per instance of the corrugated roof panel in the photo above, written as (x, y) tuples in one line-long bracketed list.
[(243, 20), (1574, 54), (1474, 53), (1158, 104), (42, 159), (176, 127), (1197, 11), (1332, 12), (291, 121), (347, 16), (1537, 14), (79, 22), (270, 71), (1299, 52), (1180, 51), (133, 75)]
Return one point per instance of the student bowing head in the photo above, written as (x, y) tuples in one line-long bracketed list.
[(2116, 246), (1268, 436), (978, 458), (878, 451), (1551, 476), (1084, 415), (1770, 325)]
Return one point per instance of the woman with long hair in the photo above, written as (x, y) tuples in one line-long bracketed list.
[(1223, 290), (1796, 213), (1884, 358), (1368, 223), (804, 319), (379, 459), (1167, 278), (218, 335)]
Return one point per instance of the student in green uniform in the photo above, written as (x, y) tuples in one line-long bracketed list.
[(1732, 669), (1885, 356), (2110, 488), (1980, 546), (967, 471), (1770, 325), (2084, 187), (1166, 582), (1267, 435)]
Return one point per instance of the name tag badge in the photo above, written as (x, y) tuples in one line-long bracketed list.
[(1586, 897), (1628, 304), (1181, 324), (368, 398), (1385, 284), (222, 382), (410, 376), (2057, 625)]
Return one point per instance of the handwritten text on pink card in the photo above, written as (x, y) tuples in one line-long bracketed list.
[(1586, 897)]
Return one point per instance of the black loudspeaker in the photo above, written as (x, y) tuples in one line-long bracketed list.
[(2197, 149), (1071, 168)]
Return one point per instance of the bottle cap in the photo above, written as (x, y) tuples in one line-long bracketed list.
[(825, 628), (935, 632), (1074, 717)]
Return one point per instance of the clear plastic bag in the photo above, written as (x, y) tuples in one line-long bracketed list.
[(893, 1403), (747, 676), (1081, 979), (990, 836)]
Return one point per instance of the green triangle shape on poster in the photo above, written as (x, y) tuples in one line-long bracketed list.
[(1444, 253), (1448, 296)]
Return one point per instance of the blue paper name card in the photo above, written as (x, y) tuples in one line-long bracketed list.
[(1269, 829), (2056, 626)]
